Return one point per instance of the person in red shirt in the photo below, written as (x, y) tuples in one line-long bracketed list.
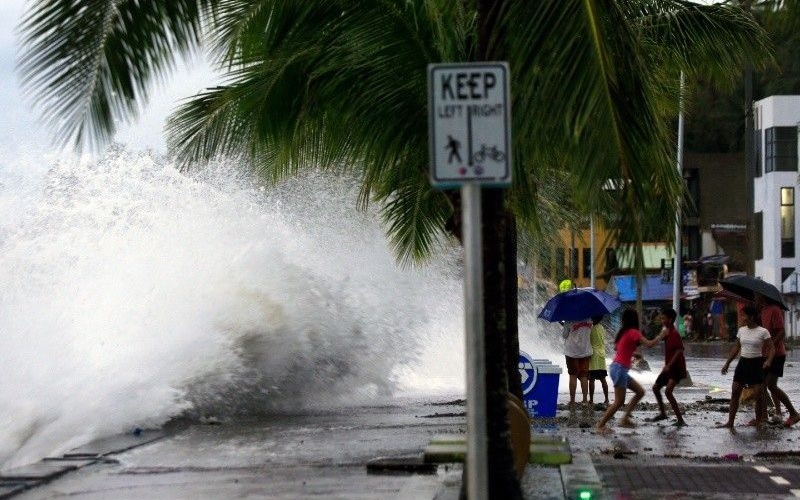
[(628, 339), (771, 318), (674, 367)]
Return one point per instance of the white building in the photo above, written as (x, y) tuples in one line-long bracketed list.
[(775, 188)]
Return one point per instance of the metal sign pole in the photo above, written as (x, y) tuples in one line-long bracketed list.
[(593, 271), (470, 147), (477, 443), (677, 282)]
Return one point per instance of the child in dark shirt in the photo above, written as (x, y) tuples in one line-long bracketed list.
[(674, 367)]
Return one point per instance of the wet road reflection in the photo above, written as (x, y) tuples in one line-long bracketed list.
[(704, 404)]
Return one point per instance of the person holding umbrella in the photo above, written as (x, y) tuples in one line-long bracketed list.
[(628, 338), (572, 308), (771, 318), (578, 353), (770, 307)]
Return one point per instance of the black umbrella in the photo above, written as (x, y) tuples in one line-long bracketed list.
[(747, 286)]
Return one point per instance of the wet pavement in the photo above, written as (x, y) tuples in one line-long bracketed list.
[(325, 454)]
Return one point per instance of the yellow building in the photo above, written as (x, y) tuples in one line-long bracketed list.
[(570, 257)]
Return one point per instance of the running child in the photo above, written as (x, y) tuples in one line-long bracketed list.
[(674, 368), (628, 338)]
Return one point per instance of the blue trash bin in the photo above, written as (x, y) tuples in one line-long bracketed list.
[(539, 385)]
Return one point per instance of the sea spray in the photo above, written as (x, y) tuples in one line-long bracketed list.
[(132, 293)]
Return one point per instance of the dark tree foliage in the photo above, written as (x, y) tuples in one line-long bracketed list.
[(715, 121)]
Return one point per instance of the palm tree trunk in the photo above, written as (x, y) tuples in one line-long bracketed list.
[(512, 307), (500, 310), (500, 287)]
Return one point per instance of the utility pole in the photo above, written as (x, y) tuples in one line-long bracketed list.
[(676, 265), (749, 157)]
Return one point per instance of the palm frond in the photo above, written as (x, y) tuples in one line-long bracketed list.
[(88, 64), (415, 214), (704, 40), (601, 92)]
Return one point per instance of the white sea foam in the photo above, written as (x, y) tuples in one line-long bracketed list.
[(131, 293)]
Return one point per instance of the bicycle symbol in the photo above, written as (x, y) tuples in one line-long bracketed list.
[(492, 152)]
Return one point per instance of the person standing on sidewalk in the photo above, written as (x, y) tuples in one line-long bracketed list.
[(597, 365), (674, 367), (772, 319), (629, 337), (578, 352), (750, 340), (688, 325)]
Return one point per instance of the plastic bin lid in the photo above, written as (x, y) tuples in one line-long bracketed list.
[(548, 369)]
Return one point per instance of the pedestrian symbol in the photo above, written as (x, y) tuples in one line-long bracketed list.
[(453, 145)]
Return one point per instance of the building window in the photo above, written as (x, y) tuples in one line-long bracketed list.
[(694, 242), (573, 263), (780, 149), (785, 273), (558, 270), (546, 262), (611, 259), (787, 222), (587, 262), (692, 204), (757, 149), (759, 236)]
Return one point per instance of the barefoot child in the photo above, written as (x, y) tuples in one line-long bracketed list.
[(628, 338), (751, 366), (597, 365), (674, 367), (772, 319)]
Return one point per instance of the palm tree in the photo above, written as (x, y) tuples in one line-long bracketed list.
[(340, 85)]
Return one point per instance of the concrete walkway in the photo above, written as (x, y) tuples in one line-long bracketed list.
[(325, 455)]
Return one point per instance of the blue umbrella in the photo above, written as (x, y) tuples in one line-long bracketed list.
[(578, 304)]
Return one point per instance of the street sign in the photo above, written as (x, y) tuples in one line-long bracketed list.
[(469, 124)]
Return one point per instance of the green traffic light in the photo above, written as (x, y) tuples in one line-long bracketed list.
[(585, 495)]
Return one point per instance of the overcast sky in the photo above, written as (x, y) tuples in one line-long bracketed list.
[(19, 126)]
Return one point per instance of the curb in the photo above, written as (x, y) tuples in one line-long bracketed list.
[(580, 479), (19, 479)]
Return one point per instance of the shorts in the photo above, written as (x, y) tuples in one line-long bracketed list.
[(578, 366), (619, 375), (776, 368), (664, 377), (749, 371), (597, 374)]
